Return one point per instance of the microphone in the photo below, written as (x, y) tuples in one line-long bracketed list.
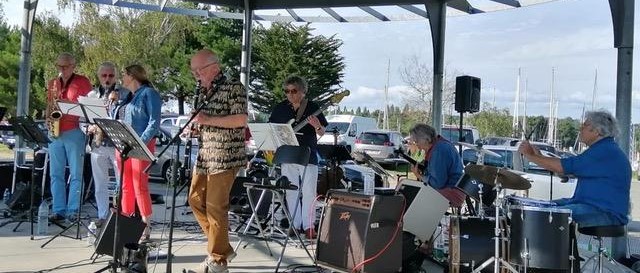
[(196, 95)]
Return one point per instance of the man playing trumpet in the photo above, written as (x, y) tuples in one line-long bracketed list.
[(67, 140), (102, 151)]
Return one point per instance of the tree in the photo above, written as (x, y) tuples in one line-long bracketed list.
[(162, 42), (286, 49), (418, 75), (9, 67), (492, 121), (568, 129)]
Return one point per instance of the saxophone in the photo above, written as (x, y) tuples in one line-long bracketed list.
[(98, 135), (53, 111)]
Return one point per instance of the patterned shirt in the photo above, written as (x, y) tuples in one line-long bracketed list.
[(222, 149)]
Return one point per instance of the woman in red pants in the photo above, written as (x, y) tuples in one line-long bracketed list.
[(143, 114)]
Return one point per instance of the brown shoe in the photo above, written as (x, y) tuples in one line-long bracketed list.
[(310, 233)]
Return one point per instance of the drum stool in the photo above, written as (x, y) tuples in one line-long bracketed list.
[(598, 232)]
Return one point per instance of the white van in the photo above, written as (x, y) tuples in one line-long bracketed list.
[(348, 127)]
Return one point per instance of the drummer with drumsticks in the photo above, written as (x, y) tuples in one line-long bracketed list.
[(603, 171)]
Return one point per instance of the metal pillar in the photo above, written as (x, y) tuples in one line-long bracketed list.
[(22, 107), (245, 58), (437, 11), (622, 13)]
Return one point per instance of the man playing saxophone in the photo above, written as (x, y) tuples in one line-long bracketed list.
[(67, 140), (103, 155)]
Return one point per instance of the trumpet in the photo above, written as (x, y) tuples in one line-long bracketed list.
[(53, 111)]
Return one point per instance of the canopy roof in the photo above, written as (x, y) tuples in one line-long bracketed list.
[(329, 11)]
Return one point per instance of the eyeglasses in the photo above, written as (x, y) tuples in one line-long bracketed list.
[(107, 75), (64, 66), (198, 71), (291, 91)]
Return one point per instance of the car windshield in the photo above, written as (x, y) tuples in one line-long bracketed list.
[(374, 138), (453, 134), (341, 126)]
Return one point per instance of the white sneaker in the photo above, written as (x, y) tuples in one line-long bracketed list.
[(203, 267), (217, 268)]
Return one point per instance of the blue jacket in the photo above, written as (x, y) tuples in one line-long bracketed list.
[(143, 112), (444, 167), (604, 177)]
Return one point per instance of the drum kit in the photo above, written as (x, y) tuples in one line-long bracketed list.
[(527, 233)]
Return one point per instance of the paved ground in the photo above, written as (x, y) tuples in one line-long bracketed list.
[(18, 253)]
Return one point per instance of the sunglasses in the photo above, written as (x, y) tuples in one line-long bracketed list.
[(107, 75), (291, 91)]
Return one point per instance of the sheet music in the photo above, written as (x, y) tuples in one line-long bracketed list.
[(70, 108), (270, 136), (91, 101)]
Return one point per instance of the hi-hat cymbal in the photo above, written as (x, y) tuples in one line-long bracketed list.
[(478, 148), (490, 175)]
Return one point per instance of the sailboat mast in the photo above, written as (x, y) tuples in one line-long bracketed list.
[(516, 107), (551, 130), (385, 122)]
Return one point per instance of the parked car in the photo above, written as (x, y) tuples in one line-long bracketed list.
[(540, 178), (161, 169), (452, 133), (379, 144), (347, 128), (9, 139)]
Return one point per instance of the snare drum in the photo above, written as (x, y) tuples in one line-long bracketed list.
[(471, 243), (526, 201), (542, 234)]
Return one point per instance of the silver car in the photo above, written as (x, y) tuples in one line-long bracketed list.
[(379, 144), (161, 169)]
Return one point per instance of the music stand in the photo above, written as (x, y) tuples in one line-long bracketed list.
[(27, 130), (90, 111), (129, 144)]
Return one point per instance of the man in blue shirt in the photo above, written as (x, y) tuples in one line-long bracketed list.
[(601, 197), (443, 166)]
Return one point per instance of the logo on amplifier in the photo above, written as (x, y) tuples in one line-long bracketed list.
[(345, 216)]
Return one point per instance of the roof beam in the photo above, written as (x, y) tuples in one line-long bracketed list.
[(294, 15), (513, 3), (415, 10), (335, 15), (374, 13), (464, 6)]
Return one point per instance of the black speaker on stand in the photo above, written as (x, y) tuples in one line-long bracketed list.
[(467, 100)]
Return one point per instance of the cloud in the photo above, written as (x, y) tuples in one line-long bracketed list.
[(373, 98), (583, 41)]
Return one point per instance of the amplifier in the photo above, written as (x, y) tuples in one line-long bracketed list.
[(129, 231), (356, 227)]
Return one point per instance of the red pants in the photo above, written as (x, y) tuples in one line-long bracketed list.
[(135, 184)]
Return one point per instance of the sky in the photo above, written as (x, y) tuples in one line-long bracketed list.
[(572, 37)]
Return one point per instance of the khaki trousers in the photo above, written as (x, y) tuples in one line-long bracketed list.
[(209, 200)]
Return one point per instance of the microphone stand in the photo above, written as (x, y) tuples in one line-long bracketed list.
[(179, 175)]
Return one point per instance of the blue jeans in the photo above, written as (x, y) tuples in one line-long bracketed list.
[(587, 215), (68, 148)]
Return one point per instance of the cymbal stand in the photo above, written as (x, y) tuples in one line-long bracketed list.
[(497, 260), (480, 204)]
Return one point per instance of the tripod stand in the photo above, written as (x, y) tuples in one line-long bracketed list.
[(129, 144), (88, 112), (26, 129), (496, 259)]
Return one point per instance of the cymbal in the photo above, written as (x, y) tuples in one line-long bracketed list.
[(489, 175), (479, 149)]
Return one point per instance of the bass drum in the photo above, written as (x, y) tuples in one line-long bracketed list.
[(543, 234), (471, 243)]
